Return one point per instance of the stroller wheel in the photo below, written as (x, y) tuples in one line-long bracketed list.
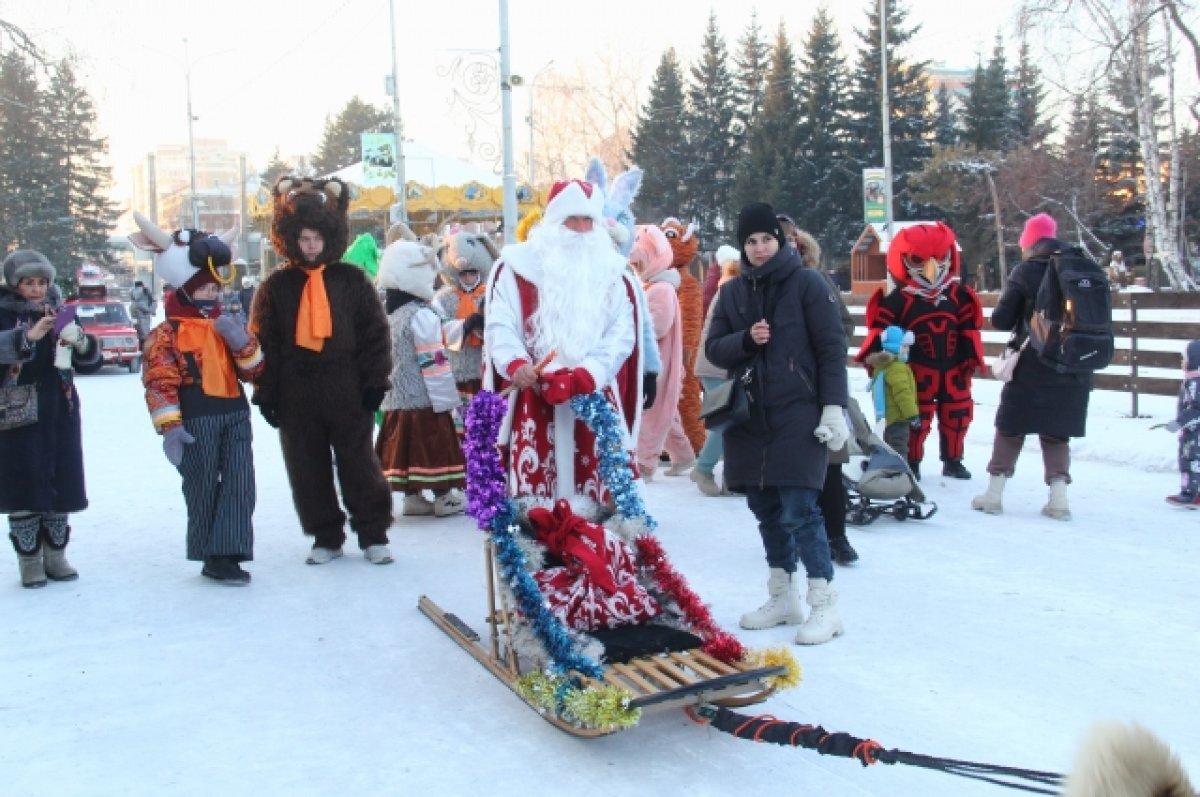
[(900, 510)]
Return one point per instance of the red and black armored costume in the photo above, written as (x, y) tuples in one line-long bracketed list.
[(945, 317)]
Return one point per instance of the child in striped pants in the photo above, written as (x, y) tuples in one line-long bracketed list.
[(192, 365)]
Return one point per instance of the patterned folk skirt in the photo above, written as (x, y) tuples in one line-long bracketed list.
[(420, 450)]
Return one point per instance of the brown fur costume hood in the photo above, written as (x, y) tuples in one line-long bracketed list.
[(304, 203)]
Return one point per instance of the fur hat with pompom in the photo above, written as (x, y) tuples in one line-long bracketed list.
[(410, 267)]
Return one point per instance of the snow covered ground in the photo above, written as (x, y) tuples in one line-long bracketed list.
[(996, 639)]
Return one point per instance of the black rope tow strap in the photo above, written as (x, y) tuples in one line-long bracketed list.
[(768, 729)]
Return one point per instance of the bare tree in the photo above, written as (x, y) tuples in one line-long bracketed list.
[(1140, 53)]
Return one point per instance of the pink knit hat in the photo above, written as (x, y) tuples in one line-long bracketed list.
[(1038, 227)]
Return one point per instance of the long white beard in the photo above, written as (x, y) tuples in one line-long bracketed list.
[(580, 282)]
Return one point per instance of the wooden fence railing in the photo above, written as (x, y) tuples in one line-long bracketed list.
[(1132, 335)]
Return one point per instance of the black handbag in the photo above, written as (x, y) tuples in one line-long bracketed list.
[(728, 404), (18, 403)]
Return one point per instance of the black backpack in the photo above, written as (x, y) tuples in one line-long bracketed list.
[(1071, 328)]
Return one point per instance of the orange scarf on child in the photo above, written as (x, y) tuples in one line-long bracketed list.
[(314, 323), (217, 377)]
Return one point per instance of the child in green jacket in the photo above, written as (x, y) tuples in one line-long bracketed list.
[(893, 388)]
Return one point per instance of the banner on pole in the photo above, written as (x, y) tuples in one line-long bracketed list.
[(874, 196), (379, 159)]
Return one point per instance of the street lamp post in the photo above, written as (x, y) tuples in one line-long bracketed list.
[(397, 126), (191, 138), (510, 175)]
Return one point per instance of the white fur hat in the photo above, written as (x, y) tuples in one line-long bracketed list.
[(407, 266), (574, 198), (726, 253)]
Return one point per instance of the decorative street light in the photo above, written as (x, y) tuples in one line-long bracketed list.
[(191, 140)]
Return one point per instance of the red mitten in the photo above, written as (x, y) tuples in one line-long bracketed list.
[(581, 382), (556, 387)]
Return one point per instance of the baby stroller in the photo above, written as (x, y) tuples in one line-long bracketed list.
[(887, 486)]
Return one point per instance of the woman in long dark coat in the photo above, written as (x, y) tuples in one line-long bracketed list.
[(41, 464), (783, 318), (1038, 400)]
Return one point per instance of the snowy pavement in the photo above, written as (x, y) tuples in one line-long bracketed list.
[(995, 639)]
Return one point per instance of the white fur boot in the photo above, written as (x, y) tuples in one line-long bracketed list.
[(824, 621), (989, 502), (1057, 506), (782, 607)]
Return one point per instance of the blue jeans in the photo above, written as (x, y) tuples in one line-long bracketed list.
[(792, 529), (714, 442)]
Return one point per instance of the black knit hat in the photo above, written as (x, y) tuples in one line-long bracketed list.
[(757, 217)]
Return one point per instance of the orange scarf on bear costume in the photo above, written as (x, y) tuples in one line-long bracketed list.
[(314, 322)]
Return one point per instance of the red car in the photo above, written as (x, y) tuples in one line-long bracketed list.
[(109, 323)]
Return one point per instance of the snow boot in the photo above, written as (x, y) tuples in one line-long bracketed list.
[(57, 566), (378, 555), (824, 622), (320, 556), (449, 503), (225, 570), (782, 607), (989, 502), (416, 504), (955, 469), (57, 533), (706, 482), (1056, 507), (23, 532), (1184, 500), (841, 551), (680, 468), (913, 465), (33, 573)]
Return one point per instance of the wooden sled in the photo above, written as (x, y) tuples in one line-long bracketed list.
[(655, 682)]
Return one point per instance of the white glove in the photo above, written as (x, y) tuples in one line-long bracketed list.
[(831, 430), (73, 334)]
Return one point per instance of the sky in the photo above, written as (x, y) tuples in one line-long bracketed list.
[(266, 73), (997, 639)]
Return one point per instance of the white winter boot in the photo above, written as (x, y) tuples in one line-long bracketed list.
[(782, 607), (824, 622), (416, 504), (449, 503), (989, 502), (56, 564), (33, 573), (1057, 507)]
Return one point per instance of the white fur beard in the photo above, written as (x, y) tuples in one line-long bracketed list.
[(580, 272)]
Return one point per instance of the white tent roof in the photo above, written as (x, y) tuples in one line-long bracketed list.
[(430, 168)]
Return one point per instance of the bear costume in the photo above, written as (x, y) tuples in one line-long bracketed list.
[(328, 353)]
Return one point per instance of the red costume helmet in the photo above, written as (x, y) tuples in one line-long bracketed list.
[(924, 256)]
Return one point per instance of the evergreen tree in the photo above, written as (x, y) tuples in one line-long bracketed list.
[(708, 123), (277, 167), (750, 78), (1028, 127), (341, 143), (817, 203), (767, 173), (79, 216), (23, 178), (911, 111), (988, 116), (945, 118), (659, 144)]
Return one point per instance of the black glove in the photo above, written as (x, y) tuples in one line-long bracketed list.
[(474, 323), (649, 389), (270, 414), (372, 397)]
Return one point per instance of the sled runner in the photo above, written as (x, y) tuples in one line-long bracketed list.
[(587, 621), (651, 682)]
